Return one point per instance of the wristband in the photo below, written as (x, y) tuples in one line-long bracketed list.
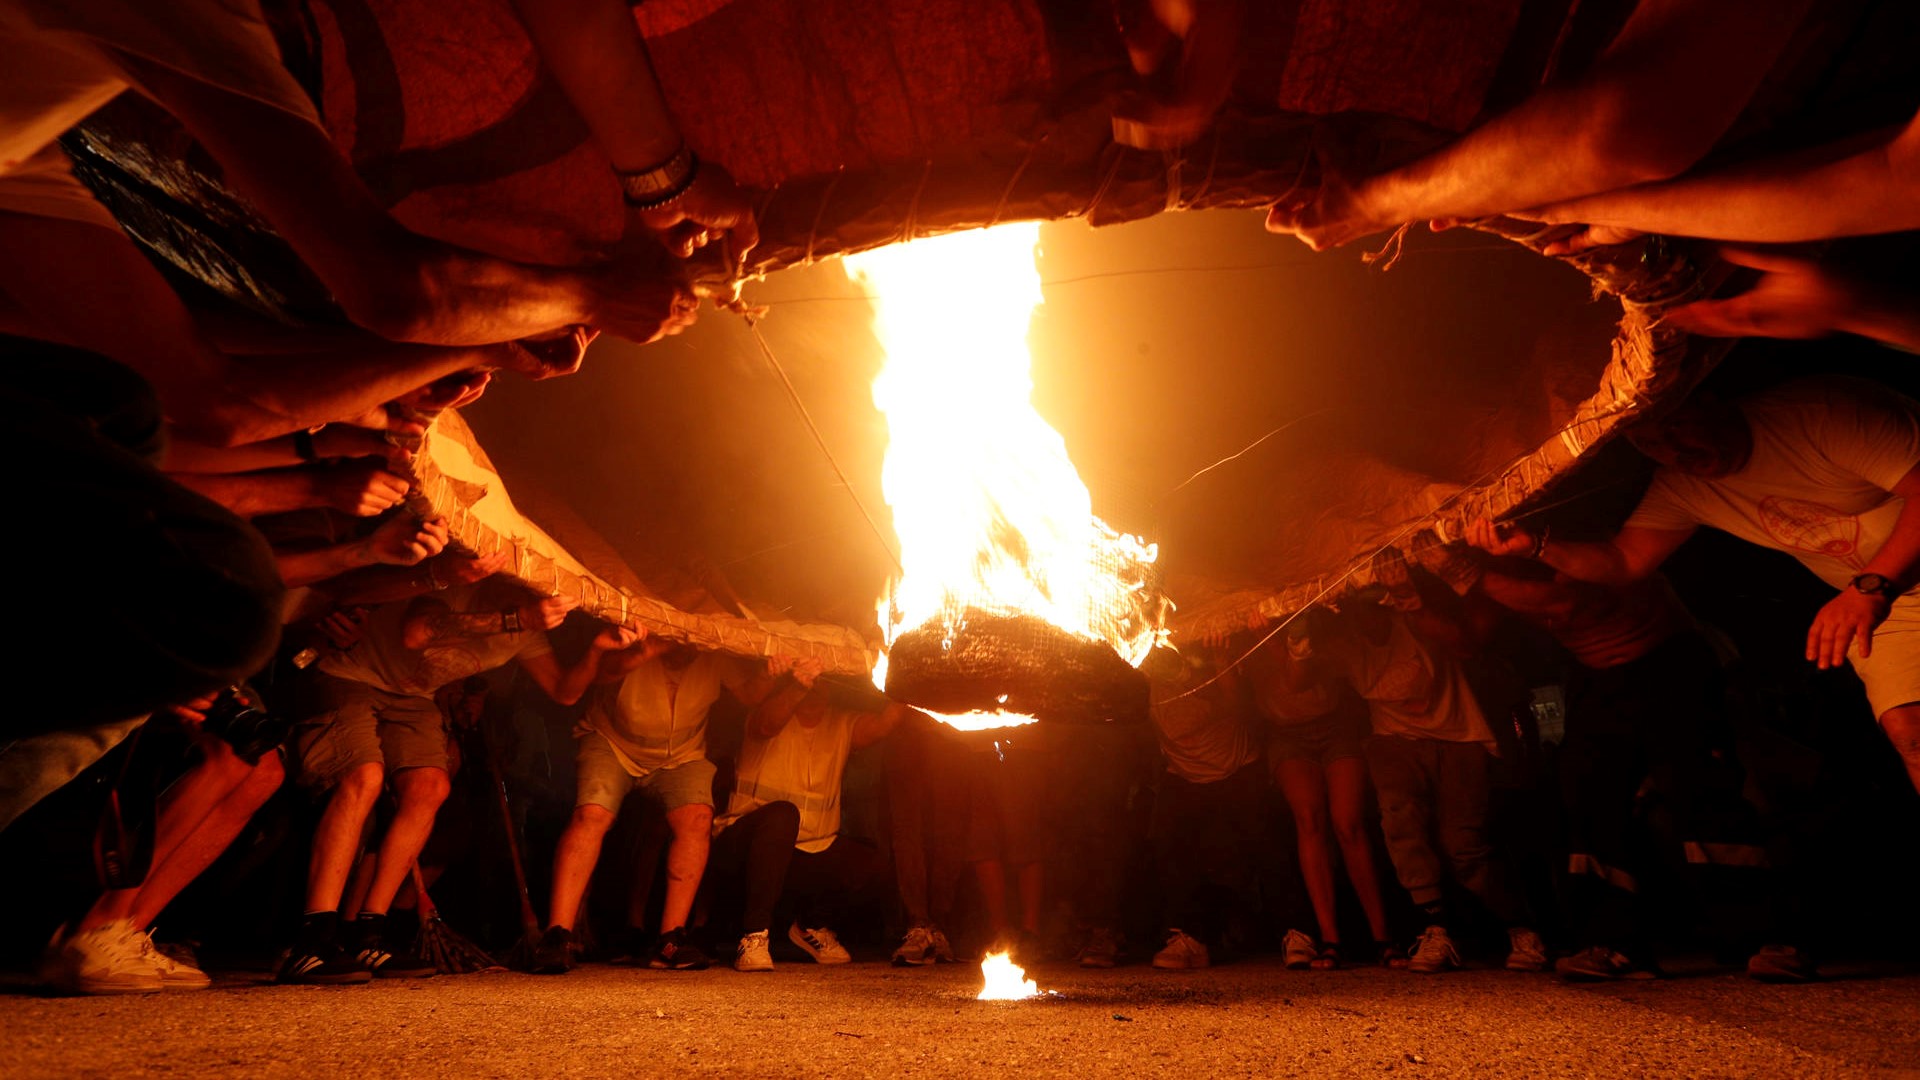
[(510, 620), (651, 189), (303, 447)]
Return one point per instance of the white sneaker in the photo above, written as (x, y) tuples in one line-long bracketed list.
[(1526, 951), (1434, 952), (1299, 950), (175, 973), (942, 948), (820, 944), (752, 955), (916, 949), (1181, 952), (104, 960)]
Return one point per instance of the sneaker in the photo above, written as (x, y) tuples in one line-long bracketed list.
[(676, 953), (1101, 950), (321, 964), (376, 951), (916, 949), (1298, 949), (553, 953), (1181, 952), (752, 954), (1598, 963), (1781, 964), (820, 944), (1434, 952), (1526, 952), (176, 973), (942, 948), (104, 960)]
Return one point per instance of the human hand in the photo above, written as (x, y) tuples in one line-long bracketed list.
[(639, 297), (1844, 620), (342, 627), (1334, 214), (807, 670), (192, 714), (546, 612), (713, 207), (362, 489), (1588, 238), (549, 357), (472, 569), (356, 441), (616, 638), (1191, 51), (1499, 539), (406, 540), (1795, 298), (453, 391)]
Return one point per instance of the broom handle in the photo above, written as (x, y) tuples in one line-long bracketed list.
[(424, 903), (528, 920)]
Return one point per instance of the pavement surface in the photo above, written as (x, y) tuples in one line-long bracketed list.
[(866, 1019)]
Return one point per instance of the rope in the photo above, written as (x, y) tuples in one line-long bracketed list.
[(814, 429)]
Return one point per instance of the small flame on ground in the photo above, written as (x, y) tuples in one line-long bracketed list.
[(1005, 980)]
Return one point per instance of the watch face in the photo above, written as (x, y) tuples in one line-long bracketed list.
[(1874, 584)]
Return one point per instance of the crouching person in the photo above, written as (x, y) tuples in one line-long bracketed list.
[(371, 722), (781, 835)]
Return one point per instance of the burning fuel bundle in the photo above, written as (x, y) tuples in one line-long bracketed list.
[(1014, 601)]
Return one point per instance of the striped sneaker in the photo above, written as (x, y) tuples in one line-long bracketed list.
[(819, 943)]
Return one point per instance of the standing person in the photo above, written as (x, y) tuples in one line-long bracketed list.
[(1645, 698), (647, 731), (1825, 469), (780, 837), (1317, 739), (927, 827), (1428, 757), (372, 723)]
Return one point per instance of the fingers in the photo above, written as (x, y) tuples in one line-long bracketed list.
[(1863, 637), (1770, 261), (1714, 318)]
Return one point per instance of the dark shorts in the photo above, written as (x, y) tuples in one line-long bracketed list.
[(1322, 740)]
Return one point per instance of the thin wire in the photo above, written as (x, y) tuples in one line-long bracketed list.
[(1248, 449), (814, 429)]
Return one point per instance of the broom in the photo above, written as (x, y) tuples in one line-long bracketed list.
[(520, 957), (450, 952)]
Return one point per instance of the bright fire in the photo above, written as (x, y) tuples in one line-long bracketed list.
[(1005, 980), (990, 512)]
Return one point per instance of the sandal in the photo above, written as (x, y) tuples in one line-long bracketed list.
[(1328, 958), (1391, 955)]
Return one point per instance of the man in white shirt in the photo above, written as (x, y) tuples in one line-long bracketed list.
[(781, 835), (1824, 469)]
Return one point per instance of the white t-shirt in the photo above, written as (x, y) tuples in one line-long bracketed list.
[(1207, 736), (801, 765), (656, 718), (381, 658), (1827, 452), (1414, 693)]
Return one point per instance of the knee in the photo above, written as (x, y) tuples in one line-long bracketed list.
[(591, 819), (1350, 831), (361, 784), (1311, 825), (262, 781), (1902, 726), (690, 822), (425, 787), (781, 815)]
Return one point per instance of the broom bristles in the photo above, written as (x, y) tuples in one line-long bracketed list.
[(450, 952)]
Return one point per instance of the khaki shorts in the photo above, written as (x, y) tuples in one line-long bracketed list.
[(352, 724), (600, 779), (1892, 673)]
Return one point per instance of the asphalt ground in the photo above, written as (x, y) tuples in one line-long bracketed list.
[(867, 1019)]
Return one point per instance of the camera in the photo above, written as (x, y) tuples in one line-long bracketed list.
[(236, 718)]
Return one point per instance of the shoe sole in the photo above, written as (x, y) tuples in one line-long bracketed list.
[(354, 979), (925, 961), (416, 973)]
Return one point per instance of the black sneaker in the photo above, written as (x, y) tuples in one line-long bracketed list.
[(377, 950), (676, 953), (324, 964), (553, 953)]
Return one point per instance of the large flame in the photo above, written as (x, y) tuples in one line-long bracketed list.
[(990, 512), (1004, 980)]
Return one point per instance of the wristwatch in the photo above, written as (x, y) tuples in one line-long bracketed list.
[(1875, 585)]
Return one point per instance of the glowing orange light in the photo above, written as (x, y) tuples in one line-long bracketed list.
[(1005, 981)]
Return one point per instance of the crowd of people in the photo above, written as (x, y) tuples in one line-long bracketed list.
[(256, 581)]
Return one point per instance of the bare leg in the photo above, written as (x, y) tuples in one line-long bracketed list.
[(336, 841), (359, 884), (216, 832), (419, 792), (1902, 725), (692, 828), (1347, 800), (574, 860), (1305, 787)]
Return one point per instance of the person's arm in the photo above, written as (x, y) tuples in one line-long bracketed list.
[(1631, 555), (1801, 298), (752, 686), (775, 710), (1535, 598), (1666, 89), (431, 622), (395, 282), (614, 666), (364, 490), (871, 727), (1852, 616), (386, 584), (403, 541), (330, 443), (567, 685), (1778, 200)]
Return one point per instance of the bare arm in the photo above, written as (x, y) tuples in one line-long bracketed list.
[(402, 541), (1631, 555), (359, 489), (432, 623), (594, 51), (1801, 298), (874, 726), (1662, 94), (385, 584), (1868, 191), (185, 454), (1551, 600), (775, 710), (1850, 618)]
